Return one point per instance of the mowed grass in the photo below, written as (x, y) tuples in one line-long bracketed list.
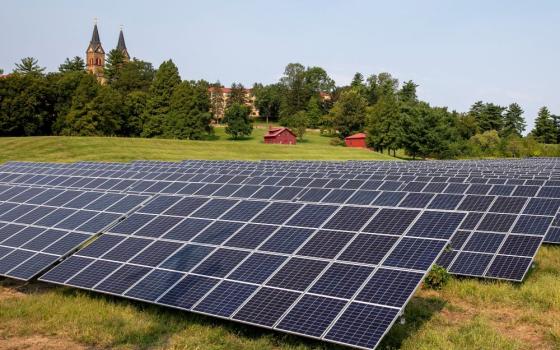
[(465, 314), (70, 149)]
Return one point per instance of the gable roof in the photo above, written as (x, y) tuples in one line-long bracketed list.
[(360, 135), (273, 132)]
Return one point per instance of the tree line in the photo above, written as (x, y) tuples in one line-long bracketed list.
[(141, 101)]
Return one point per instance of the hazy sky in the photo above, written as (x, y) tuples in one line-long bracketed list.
[(457, 51)]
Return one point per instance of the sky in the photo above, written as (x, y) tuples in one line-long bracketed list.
[(458, 52)]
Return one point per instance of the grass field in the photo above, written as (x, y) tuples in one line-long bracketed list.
[(69, 149), (465, 314)]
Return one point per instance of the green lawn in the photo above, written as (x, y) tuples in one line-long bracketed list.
[(69, 149)]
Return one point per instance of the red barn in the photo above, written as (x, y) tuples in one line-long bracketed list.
[(356, 140), (283, 136)]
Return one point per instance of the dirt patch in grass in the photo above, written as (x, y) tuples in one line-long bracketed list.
[(512, 323), (37, 342)]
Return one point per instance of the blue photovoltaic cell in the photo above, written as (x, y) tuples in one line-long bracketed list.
[(154, 284), (391, 221), (341, 280), (244, 210), (33, 266), (325, 244), (221, 262), (251, 236), (389, 199), (484, 242), (43, 240), (509, 267), (101, 245), (66, 269), (218, 232), (257, 268), (511, 205), (368, 249), (473, 264), (350, 218), (542, 206), (159, 204), (214, 208), (266, 306), (187, 257), (297, 274), (187, 229), (497, 222), (521, 245), (158, 226), (286, 240), (122, 279), (132, 223), (314, 195), (436, 225), (188, 291), (93, 274), (362, 197), (312, 215), (277, 213), (186, 206), (533, 225), (476, 203), (311, 315), (127, 249), (225, 298), (23, 236), (416, 200), (156, 253), (362, 325), (13, 259), (413, 253), (390, 287), (338, 196)]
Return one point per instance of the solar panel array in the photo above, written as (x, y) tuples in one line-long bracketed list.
[(328, 250), (483, 248), (311, 269)]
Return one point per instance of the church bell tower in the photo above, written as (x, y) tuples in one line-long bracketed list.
[(95, 56)]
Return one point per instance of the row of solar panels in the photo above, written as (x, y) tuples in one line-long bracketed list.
[(313, 270), (339, 272), (286, 169)]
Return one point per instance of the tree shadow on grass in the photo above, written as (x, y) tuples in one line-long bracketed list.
[(418, 311)]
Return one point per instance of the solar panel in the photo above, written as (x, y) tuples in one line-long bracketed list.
[(298, 268), (35, 236)]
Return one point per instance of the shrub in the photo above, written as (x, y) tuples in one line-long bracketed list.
[(436, 278)]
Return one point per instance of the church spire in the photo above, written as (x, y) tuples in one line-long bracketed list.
[(95, 43), (121, 46), (95, 55)]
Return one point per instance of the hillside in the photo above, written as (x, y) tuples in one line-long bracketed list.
[(69, 149)]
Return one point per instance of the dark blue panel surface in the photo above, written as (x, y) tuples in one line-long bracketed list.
[(266, 306), (341, 280), (225, 298), (390, 287)]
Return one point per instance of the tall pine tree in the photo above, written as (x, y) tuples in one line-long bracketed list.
[(513, 123), (157, 107), (545, 130)]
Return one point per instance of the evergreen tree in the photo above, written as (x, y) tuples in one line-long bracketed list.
[(488, 116), (545, 130), (157, 107), (514, 123), (134, 75), (75, 64), (237, 118), (189, 117), (63, 88), (113, 65), (87, 90), (349, 113), (29, 65), (134, 105)]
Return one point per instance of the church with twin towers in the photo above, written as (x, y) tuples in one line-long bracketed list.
[(95, 55)]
